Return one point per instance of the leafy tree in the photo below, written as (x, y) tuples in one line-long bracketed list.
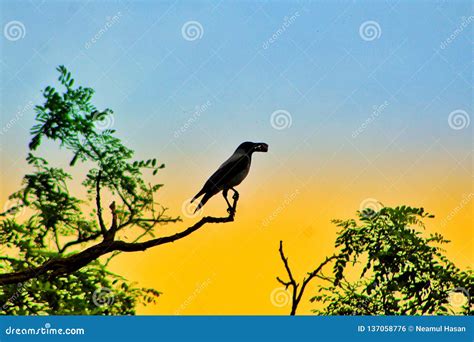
[(52, 263), (400, 270)]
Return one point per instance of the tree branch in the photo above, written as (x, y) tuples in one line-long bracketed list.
[(298, 294), (59, 266), (99, 205), (110, 234), (79, 240), (287, 266), (96, 235)]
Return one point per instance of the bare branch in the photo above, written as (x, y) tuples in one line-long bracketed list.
[(79, 241), (287, 266), (286, 284), (298, 294), (153, 221), (312, 275), (67, 265)]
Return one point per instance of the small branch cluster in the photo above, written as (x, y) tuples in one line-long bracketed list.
[(297, 291), (66, 265)]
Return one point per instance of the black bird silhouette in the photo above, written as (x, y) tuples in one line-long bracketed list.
[(231, 173)]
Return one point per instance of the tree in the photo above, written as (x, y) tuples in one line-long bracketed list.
[(297, 289), (52, 263), (399, 269)]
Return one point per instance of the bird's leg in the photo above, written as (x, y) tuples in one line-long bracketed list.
[(233, 208), (229, 206), (236, 194)]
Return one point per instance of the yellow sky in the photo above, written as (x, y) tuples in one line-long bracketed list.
[(231, 268)]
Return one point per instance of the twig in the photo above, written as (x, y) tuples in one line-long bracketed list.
[(297, 293)]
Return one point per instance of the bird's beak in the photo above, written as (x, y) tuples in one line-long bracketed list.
[(261, 147)]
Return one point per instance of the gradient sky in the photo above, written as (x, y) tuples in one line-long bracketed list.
[(322, 70)]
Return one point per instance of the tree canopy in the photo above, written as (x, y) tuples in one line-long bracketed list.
[(51, 260), (386, 264)]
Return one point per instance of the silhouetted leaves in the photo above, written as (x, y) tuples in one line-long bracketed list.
[(401, 269), (56, 223)]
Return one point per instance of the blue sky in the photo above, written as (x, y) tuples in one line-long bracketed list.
[(325, 72), (319, 70)]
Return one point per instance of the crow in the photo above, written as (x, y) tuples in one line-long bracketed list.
[(231, 173)]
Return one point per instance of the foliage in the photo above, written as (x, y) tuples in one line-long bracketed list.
[(402, 271), (60, 222), (91, 291)]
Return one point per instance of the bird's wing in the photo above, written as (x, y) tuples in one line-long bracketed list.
[(232, 166)]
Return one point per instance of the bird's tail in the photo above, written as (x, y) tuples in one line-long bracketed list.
[(203, 201), (199, 194)]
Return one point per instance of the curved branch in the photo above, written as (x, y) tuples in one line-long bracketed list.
[(297, 295), (287, 267), (59, 266), (79, 241)]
